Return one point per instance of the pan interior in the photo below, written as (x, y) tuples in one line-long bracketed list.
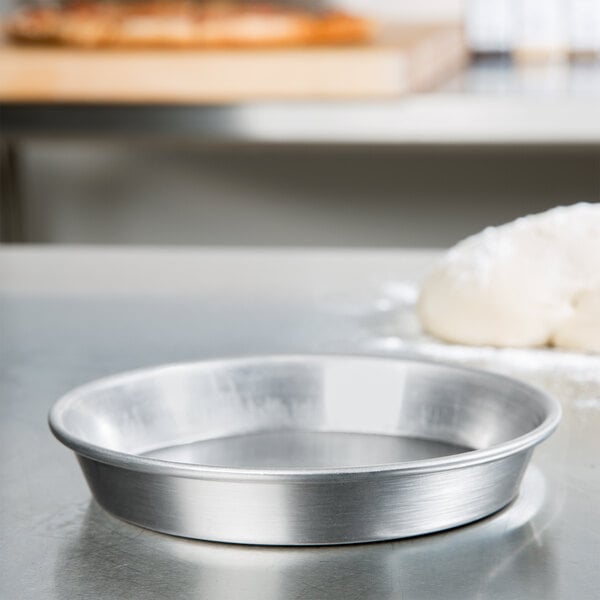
[(306, 412), (305, 449)]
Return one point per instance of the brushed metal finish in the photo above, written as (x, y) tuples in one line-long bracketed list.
[(304, 450)]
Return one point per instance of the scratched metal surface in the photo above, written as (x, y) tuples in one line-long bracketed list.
[(56, 543)]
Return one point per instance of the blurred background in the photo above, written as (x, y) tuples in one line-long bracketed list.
[(456, 134)]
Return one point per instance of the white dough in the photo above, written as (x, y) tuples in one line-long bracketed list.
[(532, 282), (581, 331)]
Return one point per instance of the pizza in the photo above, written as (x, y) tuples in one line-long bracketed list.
[(185, 24)]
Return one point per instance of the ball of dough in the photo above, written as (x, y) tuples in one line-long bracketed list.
[(581, 331), (532, 282)]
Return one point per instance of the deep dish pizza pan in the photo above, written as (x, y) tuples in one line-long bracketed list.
[(304, 450)]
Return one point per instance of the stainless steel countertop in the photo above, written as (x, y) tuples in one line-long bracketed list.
[(492, 102), (70, 315)]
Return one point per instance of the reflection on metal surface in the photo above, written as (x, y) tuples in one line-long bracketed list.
[(141, 561)]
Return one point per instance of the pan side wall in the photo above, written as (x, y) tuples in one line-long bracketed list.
[(324, 510)]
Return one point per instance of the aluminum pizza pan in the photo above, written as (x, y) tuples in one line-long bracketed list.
[(304, 450)]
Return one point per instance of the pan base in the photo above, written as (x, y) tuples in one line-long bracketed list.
[(305, 449)]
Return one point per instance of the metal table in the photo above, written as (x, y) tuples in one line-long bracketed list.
[(492, 103), (68, 315)]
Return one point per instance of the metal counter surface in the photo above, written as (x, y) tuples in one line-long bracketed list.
[(492, 102), (71, 315)]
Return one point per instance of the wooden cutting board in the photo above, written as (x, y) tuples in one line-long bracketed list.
[(403, 59)]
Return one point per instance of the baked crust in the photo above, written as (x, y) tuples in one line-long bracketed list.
[(185, 24)]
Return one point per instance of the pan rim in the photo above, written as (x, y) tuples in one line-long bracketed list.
[(149, 465)]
